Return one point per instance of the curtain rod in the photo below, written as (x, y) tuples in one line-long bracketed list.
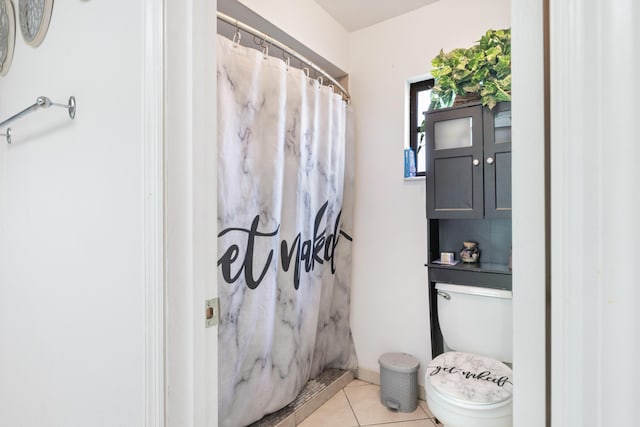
[(286, 49)]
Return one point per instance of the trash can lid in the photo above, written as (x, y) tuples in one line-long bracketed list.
[(399, 362)]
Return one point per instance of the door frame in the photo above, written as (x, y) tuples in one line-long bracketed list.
[(154, 253), (180, 212), (530, 206)]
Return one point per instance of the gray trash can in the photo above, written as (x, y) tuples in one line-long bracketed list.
[(399, 381)]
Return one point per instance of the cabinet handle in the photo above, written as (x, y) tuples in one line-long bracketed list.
[(476, 162), (489, 160)]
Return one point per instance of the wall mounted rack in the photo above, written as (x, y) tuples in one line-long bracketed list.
[(41, 102)]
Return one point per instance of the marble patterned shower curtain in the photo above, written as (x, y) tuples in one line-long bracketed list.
[(285, 209)]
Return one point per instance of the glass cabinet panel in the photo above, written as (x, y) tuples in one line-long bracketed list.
[(502, 126), (454, 133), (455, 157)]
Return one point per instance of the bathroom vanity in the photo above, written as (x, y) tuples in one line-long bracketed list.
[(468, 185)]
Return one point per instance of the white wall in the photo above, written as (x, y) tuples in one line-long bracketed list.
[(389, 294), (72, 297)]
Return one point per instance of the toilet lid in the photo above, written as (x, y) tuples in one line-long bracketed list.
[(470, 378)]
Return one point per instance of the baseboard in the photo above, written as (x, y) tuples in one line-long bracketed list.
[(422, 394), (368, 375)]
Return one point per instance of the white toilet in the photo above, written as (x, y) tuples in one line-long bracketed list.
[(469, 385)]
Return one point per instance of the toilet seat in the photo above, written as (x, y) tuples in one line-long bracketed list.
[(470, 379), (469, 390)]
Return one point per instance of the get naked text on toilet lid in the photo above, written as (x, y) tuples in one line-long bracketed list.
[(470, 378)]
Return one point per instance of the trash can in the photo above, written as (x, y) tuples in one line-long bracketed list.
[(399, 381)]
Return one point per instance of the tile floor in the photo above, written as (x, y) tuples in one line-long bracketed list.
[(358, 404)]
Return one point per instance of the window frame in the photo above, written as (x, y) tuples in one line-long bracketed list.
[(414, 125)]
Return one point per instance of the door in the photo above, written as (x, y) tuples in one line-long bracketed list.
[(454, 172), (497, 161)]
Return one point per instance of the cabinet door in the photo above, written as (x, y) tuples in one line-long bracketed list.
[(454, 163), (497, 161)]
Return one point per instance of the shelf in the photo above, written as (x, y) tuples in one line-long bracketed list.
[(495, 276), (475, 267)]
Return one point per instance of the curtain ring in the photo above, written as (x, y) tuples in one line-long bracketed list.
[(265, 51), (287, 59), (333, 89), (237, 37), (320, 80), (306, 71)]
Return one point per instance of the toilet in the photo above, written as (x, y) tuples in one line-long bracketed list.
[(470, 384)]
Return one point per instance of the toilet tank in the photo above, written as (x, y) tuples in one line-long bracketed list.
[(476, 320)]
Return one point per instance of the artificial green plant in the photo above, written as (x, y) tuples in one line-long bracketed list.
[(483, 69)]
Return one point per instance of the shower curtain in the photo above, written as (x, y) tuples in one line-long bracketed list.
[(285, 208)]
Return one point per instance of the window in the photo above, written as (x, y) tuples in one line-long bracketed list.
[(419, 100)]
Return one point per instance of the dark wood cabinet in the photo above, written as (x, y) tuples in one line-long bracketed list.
[(497, 161), (468, 184), (469, 162)]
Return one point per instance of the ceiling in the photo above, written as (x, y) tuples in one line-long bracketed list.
[(358, 14)]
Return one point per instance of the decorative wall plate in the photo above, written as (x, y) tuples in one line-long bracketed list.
[(7, 35), (35, 16)]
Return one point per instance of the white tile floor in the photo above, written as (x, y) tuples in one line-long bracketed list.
[(358, 404)]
